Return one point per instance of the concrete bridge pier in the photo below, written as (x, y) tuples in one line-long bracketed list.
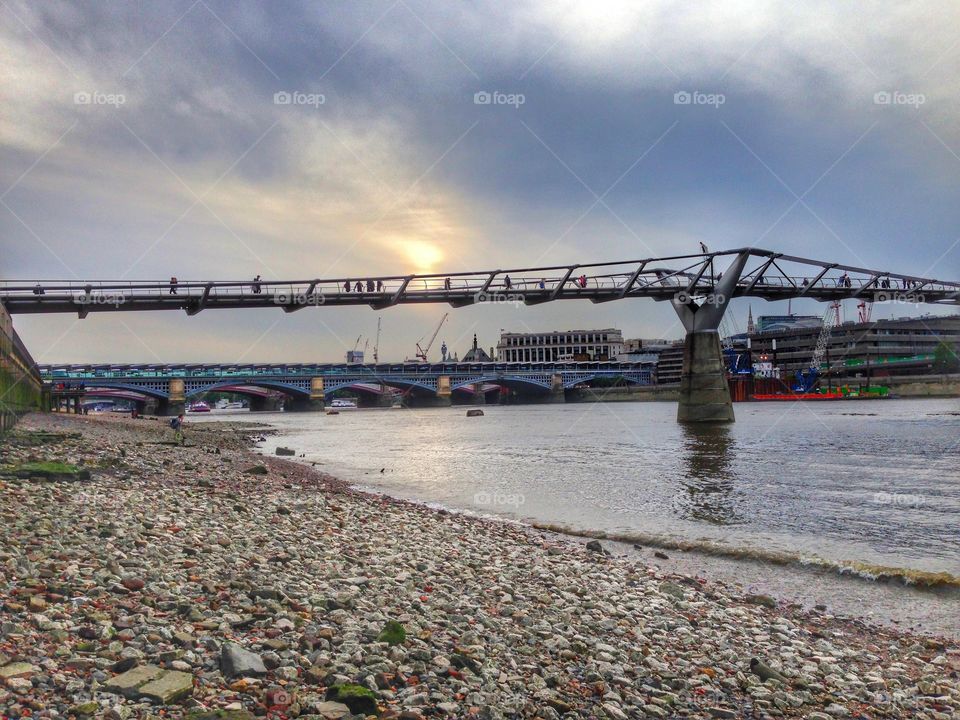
[(269, 403), (302, 405), (557, 393), (479, 396), (314, 403), (176, 400), (169, 408), (704, 393)]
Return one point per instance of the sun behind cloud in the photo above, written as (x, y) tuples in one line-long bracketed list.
[(423, 256)]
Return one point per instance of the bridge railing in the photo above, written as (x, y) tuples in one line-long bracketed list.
[(695, 273)]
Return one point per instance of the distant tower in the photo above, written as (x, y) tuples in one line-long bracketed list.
[(750, 326)]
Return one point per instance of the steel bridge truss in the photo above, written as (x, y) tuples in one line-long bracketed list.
[(684, 280)]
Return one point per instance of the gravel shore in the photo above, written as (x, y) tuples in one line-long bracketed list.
[(210, 582)]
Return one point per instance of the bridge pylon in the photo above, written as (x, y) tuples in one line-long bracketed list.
[(704, 392)]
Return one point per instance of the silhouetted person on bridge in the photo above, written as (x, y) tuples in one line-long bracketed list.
[(256, 285), (506, 282), (379, 285), (38, 290), (369, 285), (446, 283), (346, 286), (359, 287), (173, 286)]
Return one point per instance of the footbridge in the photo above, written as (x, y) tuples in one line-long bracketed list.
[(698, 286), (167, 388)]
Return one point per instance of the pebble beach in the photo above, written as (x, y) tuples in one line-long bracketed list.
[(208, 581)]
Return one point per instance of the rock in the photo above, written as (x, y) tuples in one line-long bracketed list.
[(85, 709), (133, 583), (722, 713), (764, 600), (284, 451), (613, 712), (219, 715), (169, 688), (236, 661), (393, 633), (836, 710), (17, 670), (672, 589), (128, 684), (596, 547), (36, 604), (765, 672), (474, 412), (329, 710), (257, 470), (359, 699), (661, 555), (21, 686)]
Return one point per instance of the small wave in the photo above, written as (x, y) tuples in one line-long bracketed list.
[(866, 571)]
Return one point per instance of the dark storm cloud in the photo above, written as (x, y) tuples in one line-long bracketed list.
[(595, 157)]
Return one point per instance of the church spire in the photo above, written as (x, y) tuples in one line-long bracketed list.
[(750, 326)]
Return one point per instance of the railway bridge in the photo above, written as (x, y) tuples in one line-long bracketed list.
[(166, 389), (698, 286)]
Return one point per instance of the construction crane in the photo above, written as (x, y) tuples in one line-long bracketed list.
[(806, 379), (421, 351), (356, 356), (864, 310), (376, 345)]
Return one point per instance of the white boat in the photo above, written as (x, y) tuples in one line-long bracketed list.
[(344, 404), (224, 404), (198, 407)]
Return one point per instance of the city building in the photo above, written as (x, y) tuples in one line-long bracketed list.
[(557, 345), (904, 346), (643, 349), (670, 364), (477, 353), (776, 323)]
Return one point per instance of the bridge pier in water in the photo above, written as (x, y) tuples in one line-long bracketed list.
[(704, 392), (314, 403), (479, 396)]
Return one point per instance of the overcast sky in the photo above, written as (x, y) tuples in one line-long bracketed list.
[(822, 129)]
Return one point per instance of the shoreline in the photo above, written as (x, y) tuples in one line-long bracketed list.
[(303, 570), (895, 597)]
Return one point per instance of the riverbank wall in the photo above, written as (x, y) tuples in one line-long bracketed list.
[(20, 384)]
